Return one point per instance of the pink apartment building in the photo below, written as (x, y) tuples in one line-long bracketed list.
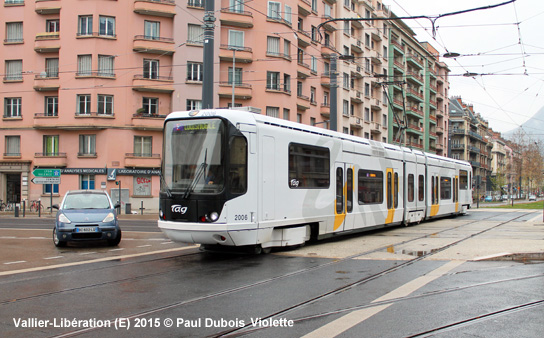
[(87, 84)]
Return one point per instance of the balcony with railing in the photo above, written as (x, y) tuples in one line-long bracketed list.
[(233, 17), (153, 45), (48, 7), (142, 160), (143, 120), (47, 42), (241, 54), (50, 159), (242, 91), (153, 84), (375, 128), (46, 82), (162, 8)]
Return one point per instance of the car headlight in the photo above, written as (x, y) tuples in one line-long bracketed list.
[(109, 218), (64, 219)]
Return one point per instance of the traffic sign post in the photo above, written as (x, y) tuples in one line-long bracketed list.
[(46, 176), (45, 180), (46, 172)]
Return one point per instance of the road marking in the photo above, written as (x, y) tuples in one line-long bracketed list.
[(535, 219), (87, 253), (348, 321), (38, 238), (119, 249), (8, 237), (98, 260), (16, 262), (54, 257), (144, 246), (167, 242)]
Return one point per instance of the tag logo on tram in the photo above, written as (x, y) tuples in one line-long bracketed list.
[(295, 182), (179, 209)]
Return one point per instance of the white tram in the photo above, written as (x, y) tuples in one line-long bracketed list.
[(236, 178)]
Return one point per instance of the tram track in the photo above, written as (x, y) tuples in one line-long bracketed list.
[(282, 313), (241, 331), (294, 273)]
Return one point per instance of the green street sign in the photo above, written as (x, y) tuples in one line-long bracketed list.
[(46, 172)]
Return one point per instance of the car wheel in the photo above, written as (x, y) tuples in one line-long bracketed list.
[(116, 240), (58, 243)]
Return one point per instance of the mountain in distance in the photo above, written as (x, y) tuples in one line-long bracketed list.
[(534, 127)]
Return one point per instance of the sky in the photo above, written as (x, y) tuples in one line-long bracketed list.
[(503, 45)]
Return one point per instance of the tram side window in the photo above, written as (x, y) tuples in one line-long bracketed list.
[(238, 165), (463, 179), (309, 167), (411, 187), (370, 187), (445, 188), (421, 188)]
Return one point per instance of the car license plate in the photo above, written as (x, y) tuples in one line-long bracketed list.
[(87, 229)]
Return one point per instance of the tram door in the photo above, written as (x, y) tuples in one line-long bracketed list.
[(392, 194), (343, 206)]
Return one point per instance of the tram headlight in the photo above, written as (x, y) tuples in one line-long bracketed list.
[(213, 216)]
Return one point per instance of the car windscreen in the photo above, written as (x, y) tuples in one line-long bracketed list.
[(86, 201)]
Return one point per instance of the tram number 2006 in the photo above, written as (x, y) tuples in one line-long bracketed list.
[(241, 217)]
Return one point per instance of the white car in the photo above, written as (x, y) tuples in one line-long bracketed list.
[(532, 198)]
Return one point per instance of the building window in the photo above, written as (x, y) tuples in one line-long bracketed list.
[(105, 65), (14, 70), (287, 83), (105, 104), (142, 185), (273, 111), (287, 15), (52, 26), (50, 188), (151, 69), (237, 76), (194, 104), (151, 105), (286, 113), (313, 65), (195, 34), (273, 80), (87, 145), (345, 107), (195, 71), (299, 88), (152, 30), (107, 26), (312, 95), (236, 6), (236, 39), (85, 25), (345, 78), (51, 145), (83, 104), (12, 106), (84, 65), (86, 182), (273, 46), (13, 146), (274, 10), (51, 106), (143, 146), (51, 67), (287, 49), (14, 32)]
